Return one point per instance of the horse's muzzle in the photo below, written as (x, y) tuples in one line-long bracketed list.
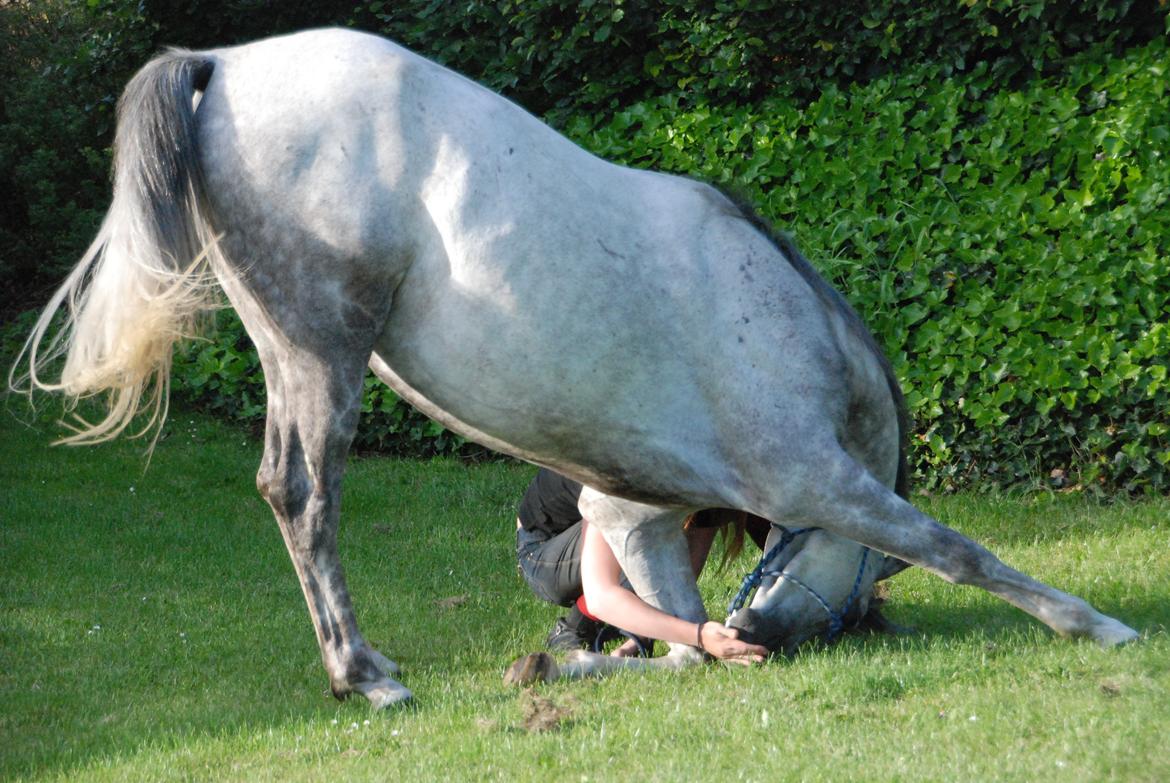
[(754, 628)]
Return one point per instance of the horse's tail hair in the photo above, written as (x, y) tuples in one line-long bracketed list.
[(148, 275)]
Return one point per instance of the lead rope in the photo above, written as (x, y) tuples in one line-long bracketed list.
[(752, 581), (645, 646)]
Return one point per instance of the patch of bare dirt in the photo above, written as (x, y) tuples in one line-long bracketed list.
[(542, 714)]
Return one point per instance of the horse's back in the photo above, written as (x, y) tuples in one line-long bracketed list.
[(627, 327)]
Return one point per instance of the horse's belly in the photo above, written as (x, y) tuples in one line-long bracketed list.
[(590, 446)]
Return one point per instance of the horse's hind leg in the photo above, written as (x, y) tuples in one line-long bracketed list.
[(313, 407), (847, 500)]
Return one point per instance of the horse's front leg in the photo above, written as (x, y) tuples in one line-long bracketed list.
[(651, 548), (313, 407), (542, 667)]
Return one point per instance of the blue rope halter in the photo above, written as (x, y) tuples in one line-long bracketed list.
[(752, 581)]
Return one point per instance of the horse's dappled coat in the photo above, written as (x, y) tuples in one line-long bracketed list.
[(636, 331)]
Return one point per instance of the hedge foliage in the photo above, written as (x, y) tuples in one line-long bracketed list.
[(64, 62), (984, 180), (1011, 248), (596, 54), (222, 374)]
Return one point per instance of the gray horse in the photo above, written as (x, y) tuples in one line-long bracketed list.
[(638, 332)]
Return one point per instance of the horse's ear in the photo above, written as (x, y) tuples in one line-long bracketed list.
[(891, 566)]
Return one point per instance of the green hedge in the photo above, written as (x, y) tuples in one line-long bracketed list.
[(222, 374), (557, 55), (1010, 248), (984, 180), (63, 63)]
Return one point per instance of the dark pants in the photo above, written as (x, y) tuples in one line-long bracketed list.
[(551, 565)]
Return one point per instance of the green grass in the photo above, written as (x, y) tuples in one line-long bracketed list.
[(151, 628)]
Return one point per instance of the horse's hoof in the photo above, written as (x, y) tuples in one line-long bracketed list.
[(385, 694), (536, 667), (1113, 633)]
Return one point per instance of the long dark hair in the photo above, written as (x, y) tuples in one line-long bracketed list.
[(732, 526)]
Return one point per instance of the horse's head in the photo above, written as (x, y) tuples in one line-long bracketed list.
[(816, 585)]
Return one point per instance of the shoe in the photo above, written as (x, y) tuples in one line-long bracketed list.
[(574, 632)]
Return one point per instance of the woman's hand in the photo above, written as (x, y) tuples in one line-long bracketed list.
[(723, 643), (628, 649)]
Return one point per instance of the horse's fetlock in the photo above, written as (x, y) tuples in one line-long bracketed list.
[(340, 692)]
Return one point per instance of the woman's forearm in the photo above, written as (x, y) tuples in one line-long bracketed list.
[(619, 607), (609, 601)]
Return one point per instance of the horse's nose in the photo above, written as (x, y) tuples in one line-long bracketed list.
[(754, 628)]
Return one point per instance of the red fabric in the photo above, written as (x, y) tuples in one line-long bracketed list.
[(584, 609)]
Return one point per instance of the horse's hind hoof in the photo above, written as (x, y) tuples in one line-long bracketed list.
[(536, 667)]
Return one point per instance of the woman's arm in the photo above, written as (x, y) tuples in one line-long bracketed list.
[(609, 601)]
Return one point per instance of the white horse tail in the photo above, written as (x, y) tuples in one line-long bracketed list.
[(145, 280)]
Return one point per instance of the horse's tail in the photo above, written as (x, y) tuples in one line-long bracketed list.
[(145, 279)]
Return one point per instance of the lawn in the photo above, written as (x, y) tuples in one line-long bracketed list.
[(151, 628)]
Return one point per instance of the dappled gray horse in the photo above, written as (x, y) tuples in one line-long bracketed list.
[(635, 331)]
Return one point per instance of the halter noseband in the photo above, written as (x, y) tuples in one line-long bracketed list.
[(752, 581)]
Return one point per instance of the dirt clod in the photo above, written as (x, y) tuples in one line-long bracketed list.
[(452, 601), (541, 714), (1111, 688)]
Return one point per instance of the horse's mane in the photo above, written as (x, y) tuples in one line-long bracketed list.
[(731, 524), (833, 300)]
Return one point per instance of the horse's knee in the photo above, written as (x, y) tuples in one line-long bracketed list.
[(281, 491), (266, 481), (959, 559)]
